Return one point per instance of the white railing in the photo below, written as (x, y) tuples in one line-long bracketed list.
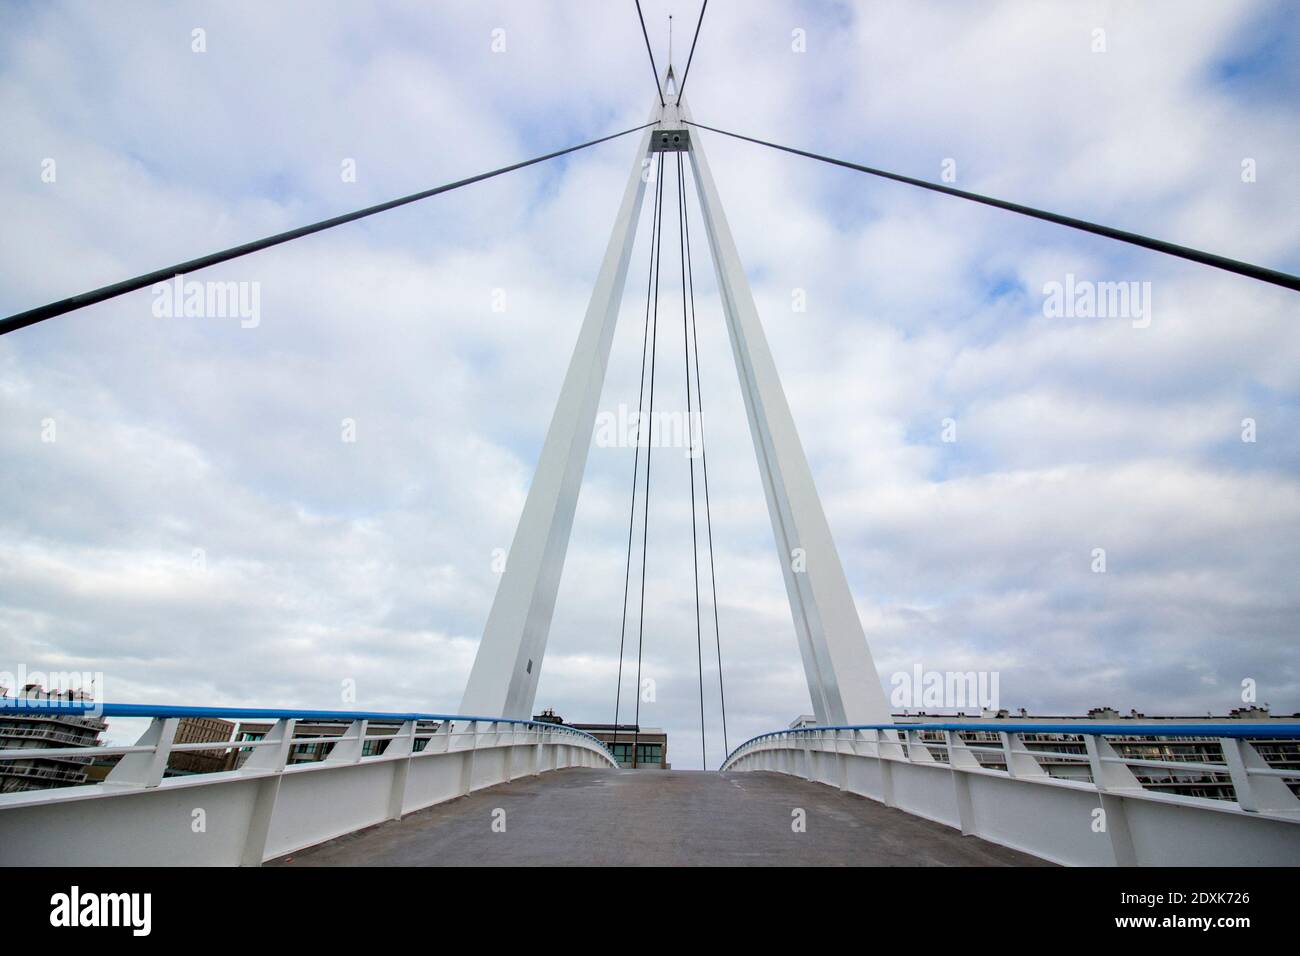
[(266, 807), (1110, 820)]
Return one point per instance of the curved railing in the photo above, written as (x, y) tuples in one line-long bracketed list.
[(1236, 730), (19, 707), (379, 767), (991, 779)]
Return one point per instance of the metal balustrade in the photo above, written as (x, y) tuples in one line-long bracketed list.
[(1110, 819), (266, 806)]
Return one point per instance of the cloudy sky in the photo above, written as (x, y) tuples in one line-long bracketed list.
[(182, 515)]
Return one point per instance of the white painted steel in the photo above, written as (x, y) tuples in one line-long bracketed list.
[(266, 809), (1050, 817), (842, 678), (508, 664)]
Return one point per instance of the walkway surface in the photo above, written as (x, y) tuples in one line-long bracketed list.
[(658, 818)]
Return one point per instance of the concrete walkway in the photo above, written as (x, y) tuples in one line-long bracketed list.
[(659, 818)]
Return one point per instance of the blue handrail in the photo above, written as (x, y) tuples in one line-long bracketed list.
[(1277, 731), (36, 706)]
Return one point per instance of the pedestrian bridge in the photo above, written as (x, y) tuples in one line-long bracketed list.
[(428, 788)]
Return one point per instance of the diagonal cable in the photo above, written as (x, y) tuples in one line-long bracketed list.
[(1273, 276), (704, 462), (653, 69), (63, 306), (636, 456), (690, 56), (649, 446), (690, 453)]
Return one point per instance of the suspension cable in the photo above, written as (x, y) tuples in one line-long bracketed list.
[(649, 447), (636, 456), (1284, 279), (690, 454), (653, 69), (704, 461), (690, 56), (32, 316)]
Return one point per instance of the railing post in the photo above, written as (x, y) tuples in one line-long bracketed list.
[(856, 739), (1110, 776), (1258, 793), (441, 741), (886, 768), (272, 757), (269, 759), (146, 770), (508, 750), (467, 762), (351, 746), (536, 749), (1021, 762), (959, 761), (1109, 772), (882, 741), (917, 751), (401, 744)]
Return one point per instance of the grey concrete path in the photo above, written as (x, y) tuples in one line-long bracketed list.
[(659, 818)]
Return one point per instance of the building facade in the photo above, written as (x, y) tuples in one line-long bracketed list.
[(201, 730), (39, 732), (635, 748)]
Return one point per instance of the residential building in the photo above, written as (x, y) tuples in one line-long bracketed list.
[(38, 732)]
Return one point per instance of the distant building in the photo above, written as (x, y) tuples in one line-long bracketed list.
[(201, 730), (37, 732), (651, 742)]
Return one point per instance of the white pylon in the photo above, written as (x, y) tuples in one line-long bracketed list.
[(842, 679)]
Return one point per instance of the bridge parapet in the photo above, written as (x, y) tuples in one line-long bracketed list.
[(267, 806), (988, 779)]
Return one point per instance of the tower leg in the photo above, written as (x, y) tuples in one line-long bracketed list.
[(503, 681), (842, 679)]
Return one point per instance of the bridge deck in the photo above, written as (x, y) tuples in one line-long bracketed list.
[(663, 818)]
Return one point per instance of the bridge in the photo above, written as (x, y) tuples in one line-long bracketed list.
[(489, 784), (434, 788)]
